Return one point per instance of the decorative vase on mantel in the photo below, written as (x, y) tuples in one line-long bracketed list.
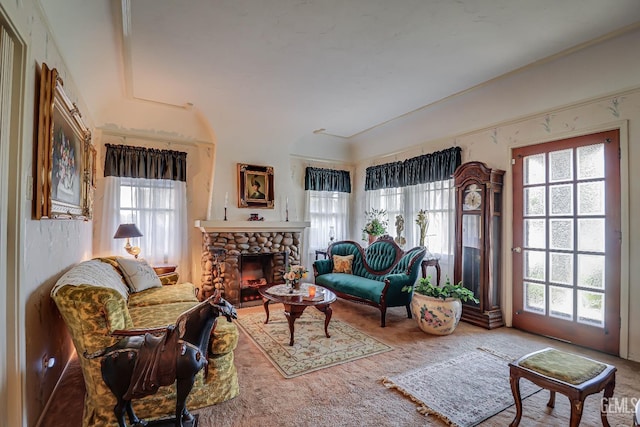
[(434, 315), (372, 238)]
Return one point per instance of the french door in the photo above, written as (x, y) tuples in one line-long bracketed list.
[(566, 238)]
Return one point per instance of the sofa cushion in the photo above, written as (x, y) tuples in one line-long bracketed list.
[(138, 274), (226, 333), (368, 289), (93, 273), (152, 316), (343, 264), (183, 292)]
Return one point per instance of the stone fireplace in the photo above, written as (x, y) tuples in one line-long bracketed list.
[(239, 256)]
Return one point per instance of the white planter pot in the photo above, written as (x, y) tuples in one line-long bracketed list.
[(434, 315)]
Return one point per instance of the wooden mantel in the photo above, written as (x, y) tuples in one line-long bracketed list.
[(207, 226)]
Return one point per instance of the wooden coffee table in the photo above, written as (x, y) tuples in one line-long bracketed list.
[(296, 303)]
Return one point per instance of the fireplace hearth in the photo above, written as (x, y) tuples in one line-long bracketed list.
[(257, 252), (258, 270)]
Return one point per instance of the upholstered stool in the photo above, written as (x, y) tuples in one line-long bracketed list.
[(574, 376)]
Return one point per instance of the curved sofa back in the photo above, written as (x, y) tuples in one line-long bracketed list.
[(379, 259)]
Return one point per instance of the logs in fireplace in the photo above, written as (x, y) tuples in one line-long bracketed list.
[(257, 270), (280, 248)]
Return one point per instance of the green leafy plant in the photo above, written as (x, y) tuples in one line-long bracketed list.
[(376, 223), (425, 287)]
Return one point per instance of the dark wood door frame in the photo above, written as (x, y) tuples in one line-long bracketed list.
[(605, 339)]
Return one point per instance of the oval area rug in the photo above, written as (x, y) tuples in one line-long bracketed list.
[(312, 350)]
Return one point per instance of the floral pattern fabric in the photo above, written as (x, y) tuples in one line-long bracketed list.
[(92, 312), (343, 264)]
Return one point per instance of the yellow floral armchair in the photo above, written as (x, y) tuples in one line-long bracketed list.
[(94, 301)]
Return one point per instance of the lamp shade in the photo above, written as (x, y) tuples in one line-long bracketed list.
[(127, 230)]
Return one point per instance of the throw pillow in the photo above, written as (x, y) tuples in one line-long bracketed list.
[(138, 274), (342, 264)]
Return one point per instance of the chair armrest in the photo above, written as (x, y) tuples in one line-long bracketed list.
[(396, 283), (140, 331), (322, 266)]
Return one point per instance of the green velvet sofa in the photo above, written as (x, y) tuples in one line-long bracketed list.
[(378, 275), (94, 300)]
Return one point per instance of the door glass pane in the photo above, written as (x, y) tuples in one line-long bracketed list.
[(534, 204), (591, 271), (591, 235), (561, 302), (561, 234), (534, 297), (561, 199), (535, 233), (591, 198), (534, 169), (561, 268), (591, 161), (591, 308), (534, 265), (561, 165)]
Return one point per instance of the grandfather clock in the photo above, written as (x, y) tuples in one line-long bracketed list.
[(478, 241)]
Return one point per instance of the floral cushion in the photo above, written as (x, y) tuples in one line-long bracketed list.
[(343, 264), (138, 274), (183, 292)]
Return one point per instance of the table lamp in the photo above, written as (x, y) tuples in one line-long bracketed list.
[(127, 231)]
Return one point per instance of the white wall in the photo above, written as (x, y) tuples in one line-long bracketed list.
[(592, 90), (47, 247)]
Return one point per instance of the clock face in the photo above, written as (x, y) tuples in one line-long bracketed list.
[(472, 197)]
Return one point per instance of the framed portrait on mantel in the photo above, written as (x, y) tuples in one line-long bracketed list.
[(65, 173), (255, 186)]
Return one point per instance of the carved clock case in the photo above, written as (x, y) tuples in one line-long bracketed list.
[(478, 241)]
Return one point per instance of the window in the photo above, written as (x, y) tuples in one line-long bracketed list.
[(328, 212), (157, 207), (438, 198)]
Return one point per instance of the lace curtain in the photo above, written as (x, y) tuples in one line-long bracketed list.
[(327, 203), (147, 187)]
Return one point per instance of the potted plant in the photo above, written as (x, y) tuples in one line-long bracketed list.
[(438, 309), (376, 224)]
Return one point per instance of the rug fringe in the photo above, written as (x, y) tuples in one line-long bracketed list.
[(497, 354), (422, 407)]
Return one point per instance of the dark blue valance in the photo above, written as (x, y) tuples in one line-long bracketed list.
[(388, 175), (140, 162), (438, 166), (317, 179)]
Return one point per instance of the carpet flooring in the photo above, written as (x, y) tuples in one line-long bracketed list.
[(312, 350), (456, 390), (351, 394)]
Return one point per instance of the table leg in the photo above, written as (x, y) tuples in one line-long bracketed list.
[(265, 303), (292, 312), (328, 312)]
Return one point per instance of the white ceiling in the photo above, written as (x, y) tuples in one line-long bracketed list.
[(295, 66)]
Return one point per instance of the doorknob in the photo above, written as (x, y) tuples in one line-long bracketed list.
[(516, 249)]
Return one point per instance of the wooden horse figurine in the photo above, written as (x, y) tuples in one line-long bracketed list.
[(142, 361)]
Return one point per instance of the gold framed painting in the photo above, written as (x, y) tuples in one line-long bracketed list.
[(65, 157), (255, 186)]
